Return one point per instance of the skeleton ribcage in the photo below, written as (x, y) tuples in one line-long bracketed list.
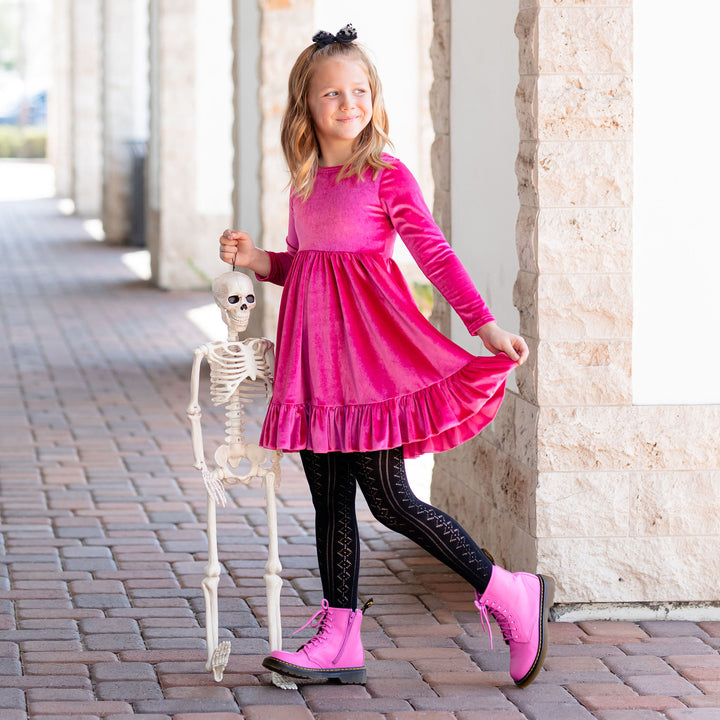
[(232, 367), (239, 374)]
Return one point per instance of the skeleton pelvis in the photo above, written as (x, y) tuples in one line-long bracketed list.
[(229, 457)]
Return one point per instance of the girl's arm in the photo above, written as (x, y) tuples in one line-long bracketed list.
[(409, 214), (237, 248)]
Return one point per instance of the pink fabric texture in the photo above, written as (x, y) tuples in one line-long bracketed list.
[(358, 367)]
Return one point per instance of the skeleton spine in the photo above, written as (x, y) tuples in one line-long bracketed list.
[(235, 422)]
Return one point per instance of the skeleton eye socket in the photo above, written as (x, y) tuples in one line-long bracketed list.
[(250, 298), (234, 299)]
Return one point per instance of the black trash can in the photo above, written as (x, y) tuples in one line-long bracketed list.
[(138, 152)]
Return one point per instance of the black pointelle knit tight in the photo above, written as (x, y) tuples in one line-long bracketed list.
[(381, 476)]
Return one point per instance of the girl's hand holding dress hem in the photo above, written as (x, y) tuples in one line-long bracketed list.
[(497, 340)]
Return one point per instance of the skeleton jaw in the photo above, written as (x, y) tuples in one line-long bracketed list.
[(236, 320)]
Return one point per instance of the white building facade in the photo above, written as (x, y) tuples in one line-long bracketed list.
[(590, 235)]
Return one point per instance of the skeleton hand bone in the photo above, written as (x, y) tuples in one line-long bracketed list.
[(214, 486)]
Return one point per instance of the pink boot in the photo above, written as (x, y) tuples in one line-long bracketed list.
[(519, 602), (336, 651)]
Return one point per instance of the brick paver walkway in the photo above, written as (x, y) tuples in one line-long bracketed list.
[(103, 545)]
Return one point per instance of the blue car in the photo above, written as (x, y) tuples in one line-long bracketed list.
[(36, 109)]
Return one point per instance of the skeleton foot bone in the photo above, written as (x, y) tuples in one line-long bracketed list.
[(219, 660), (282, 681)]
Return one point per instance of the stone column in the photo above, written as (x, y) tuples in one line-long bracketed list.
[(190, 145), (125, 61), (86, 106), (574, 288), (60, 99), (440, 150)]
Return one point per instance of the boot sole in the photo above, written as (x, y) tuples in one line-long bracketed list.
[(547, 591), (347, 676)]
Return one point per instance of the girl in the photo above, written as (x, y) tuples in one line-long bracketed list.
[(362, 378)]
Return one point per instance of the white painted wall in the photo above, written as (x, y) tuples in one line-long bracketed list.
[(485, 139), (248, 128), (676, 343)]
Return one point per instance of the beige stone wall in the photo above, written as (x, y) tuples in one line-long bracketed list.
[(619, 502), (627, 502)]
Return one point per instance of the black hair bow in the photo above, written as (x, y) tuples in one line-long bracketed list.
[(345, 36)]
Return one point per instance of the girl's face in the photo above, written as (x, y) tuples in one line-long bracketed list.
[(340, 104)]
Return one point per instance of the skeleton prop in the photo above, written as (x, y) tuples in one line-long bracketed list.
[(240, 372)]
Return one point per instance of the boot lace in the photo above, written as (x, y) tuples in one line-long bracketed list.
[(503, 617), (321, 620)]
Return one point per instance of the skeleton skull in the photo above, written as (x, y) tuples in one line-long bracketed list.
[(233, 293)]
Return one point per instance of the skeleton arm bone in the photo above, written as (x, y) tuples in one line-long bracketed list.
[(212, 481), (193, 412)]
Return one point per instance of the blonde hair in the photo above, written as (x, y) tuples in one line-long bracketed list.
[(297, 137)]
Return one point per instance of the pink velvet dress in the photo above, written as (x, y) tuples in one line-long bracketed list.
[(358, 367)]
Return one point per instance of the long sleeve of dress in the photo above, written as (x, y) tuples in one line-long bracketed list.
[(403, 201), (280, 261)]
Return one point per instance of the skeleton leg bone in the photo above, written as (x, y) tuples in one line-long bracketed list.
[(218, 654), (273, 583)]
